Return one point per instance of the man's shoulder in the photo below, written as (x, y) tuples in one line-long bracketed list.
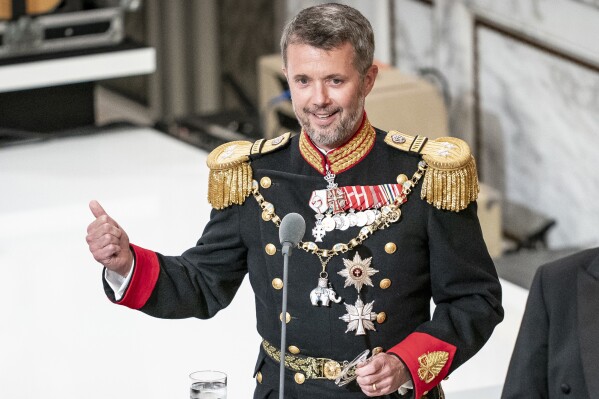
[(236, 152), (565, 266), (450, 177), (230, 179)]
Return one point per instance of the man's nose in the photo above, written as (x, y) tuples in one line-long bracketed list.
[(320, 96)]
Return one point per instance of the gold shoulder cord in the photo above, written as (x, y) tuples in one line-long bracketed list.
[(451, 181)]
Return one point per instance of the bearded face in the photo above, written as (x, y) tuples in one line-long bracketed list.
[(335, 125), (328, 92)]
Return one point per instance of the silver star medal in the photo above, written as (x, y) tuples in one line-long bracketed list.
[(357, 272), (359, 317)]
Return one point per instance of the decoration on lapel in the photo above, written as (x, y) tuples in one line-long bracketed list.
[(324, 292), (381, 219), (357, 272), (359, 317), (331, 204)]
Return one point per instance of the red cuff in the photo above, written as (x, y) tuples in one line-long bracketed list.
[(427, 358), (143, 281)]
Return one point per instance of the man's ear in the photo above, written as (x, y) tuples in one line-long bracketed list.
[(370, 78)]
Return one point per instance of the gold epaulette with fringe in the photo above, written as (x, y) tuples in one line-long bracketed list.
[(230, 180), (451, 180)]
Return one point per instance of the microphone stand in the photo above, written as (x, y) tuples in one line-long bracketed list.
[(286, 250), (291, 231)]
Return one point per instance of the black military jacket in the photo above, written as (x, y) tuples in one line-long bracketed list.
[(557, 350), (428, 253)]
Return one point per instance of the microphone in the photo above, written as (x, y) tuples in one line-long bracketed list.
[(293, 227), (291, 231)]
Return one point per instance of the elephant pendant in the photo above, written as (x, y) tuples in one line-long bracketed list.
[(323, 293)]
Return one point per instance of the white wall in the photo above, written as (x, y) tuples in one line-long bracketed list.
[(523, 79)]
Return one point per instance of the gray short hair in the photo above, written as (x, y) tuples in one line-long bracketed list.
[(329, 26)]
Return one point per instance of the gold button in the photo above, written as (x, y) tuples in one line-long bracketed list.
[(293, 349), (377, 350), (390, 247), (299, 378), (277, 283), (265, 182), (385, 283), (287, 317), (270, 249), (401, 179), (381, 317), (259, 377)]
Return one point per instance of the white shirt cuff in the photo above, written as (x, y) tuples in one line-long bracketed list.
[(117, 282), (405, 387)]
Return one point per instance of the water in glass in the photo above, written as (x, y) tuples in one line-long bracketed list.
[(208, 390)]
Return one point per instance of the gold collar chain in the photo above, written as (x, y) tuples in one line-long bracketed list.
[(389, 214)]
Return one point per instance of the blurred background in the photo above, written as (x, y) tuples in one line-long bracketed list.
[(121, 100)]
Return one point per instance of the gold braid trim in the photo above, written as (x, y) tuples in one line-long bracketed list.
[(343, 157), (451, 180), (353, 151), (312, 155), (230, 180), (311, 367), (294, 363)]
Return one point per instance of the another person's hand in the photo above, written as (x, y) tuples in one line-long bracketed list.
[(381, 375), (108, 242)]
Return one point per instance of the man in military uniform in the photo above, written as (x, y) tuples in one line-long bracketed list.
[(391, 223)]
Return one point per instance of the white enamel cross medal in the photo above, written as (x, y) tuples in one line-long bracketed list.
[(318, 231), (359, 317), (319, 203)]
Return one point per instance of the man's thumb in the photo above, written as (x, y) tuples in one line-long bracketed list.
[(97, 209)]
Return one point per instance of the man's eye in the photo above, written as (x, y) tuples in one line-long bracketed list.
[(336, 81), (302, 81)]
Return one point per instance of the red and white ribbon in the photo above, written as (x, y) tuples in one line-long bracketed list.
[(359, 198)]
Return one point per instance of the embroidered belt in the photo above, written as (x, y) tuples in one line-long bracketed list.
[(311, 367)]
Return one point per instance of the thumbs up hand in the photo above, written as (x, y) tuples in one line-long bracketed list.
[(108, 242)]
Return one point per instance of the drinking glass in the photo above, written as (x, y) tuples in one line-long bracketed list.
[(208, 384)]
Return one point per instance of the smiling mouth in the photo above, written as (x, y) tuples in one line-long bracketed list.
[(324, 117)]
